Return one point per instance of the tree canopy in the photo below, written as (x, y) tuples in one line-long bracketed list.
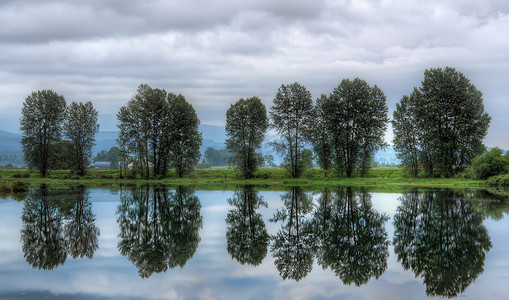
[(246, 123), (292, 117), (41, 126), (446, 119)]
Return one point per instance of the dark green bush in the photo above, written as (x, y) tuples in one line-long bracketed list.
[(19, 187), (20, 175), (491, 163), (500, 180)]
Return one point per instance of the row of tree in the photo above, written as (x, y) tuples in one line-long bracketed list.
[(44, 119), (438, 128), (345, 128)]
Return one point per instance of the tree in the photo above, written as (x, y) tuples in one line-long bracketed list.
[(158, 130), (246, 123), (292, 117), (145, 129), (41, 124), (322, 142), (185, 140), (491, 163), (80, 127), (406, 135), (450, 122), (62, 154), (355, 118)]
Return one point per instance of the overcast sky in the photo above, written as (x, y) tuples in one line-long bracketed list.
[(214, 52)]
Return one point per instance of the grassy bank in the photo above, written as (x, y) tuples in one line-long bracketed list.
[(271, 179)]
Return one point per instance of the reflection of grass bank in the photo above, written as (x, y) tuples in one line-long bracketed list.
[(390, 179)]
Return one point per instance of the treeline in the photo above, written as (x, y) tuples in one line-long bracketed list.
[(439, 128)]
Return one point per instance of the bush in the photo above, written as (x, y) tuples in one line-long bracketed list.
[(500, 180), (5, 188), (19, 187), (20, 175), (491, 163)]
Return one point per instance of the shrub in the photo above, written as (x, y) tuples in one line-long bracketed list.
[(19, 187), (500, 180), (5, 188), (20, 175), (491, 163)]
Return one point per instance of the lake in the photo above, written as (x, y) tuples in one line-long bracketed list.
[(343, 243)]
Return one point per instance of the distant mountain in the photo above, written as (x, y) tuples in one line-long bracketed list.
[(10, 142)]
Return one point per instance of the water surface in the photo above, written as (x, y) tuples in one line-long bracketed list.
[(155, 243)]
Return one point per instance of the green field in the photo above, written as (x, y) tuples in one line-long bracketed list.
[(387, 179)]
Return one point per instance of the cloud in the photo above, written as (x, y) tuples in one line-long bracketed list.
[(215, 52)]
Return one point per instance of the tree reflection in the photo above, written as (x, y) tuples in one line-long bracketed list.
[(42, 236), (292, 245), (351, 236), (80, 230), (442, 239), (246, 236), (158, 228), (57, 222)]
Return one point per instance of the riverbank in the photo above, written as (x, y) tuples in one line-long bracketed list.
[(270, 179)]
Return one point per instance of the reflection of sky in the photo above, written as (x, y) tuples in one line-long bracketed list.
[(212, 273)]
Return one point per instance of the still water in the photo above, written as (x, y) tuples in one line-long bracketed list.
[(343, 243)]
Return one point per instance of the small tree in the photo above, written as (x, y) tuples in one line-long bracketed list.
[(80, 127), (185, 139), (246, 123), (292, 117), (41, 126)]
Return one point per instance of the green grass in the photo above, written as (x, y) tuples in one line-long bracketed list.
[(380, 179)]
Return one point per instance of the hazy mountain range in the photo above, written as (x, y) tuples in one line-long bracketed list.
[(213, 136)]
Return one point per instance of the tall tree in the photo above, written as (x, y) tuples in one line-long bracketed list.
[(292, 117), (41, 125), (451, 122), (406, 135), (355, 115), (80, 127), (322, 142), (144, 129), (185, 139), (246, 123), (158, 130)]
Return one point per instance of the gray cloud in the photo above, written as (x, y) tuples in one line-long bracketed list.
[(215, 52)]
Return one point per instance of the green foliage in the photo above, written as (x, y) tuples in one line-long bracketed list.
[(19, 187), (112, 156), (246, 123), (352, 123), (80, 128), (158, 130), (406, 143), (293, 118), (499, 180), (203, 165), (41, 124), (62, 157), (185, 139), (444, 121), (217, 157), (491, 163)]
